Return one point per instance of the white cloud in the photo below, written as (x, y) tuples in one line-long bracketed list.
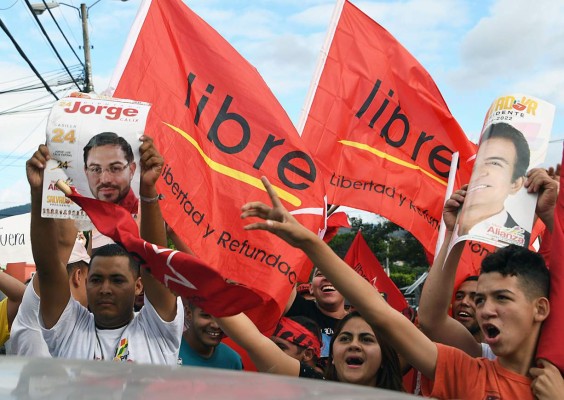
[(517, 40)]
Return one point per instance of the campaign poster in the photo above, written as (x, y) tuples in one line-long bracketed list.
[(497, 209), (94, 145)]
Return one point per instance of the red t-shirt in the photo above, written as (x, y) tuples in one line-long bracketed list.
[(459, 376)]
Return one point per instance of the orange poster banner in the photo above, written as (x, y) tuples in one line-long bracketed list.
[(220, 129), (380, 131)]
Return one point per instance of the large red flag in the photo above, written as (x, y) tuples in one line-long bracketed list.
[(380, 130), (364, 262), (183, 274), (550, 343), (220, 128)]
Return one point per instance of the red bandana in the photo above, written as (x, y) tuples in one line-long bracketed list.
[(297, 334)]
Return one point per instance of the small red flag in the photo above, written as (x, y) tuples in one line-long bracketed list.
[(335, 221), (364, 262)]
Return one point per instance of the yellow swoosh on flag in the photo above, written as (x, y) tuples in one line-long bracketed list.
[(381, 154), (233, 173)]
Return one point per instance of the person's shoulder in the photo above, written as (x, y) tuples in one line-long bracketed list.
[(226, 349), (301, 305), (309, 372)]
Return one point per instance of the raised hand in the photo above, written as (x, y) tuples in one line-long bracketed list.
[(151, 162), (276, 219), (539, 181), (452, 207), (36, 165)]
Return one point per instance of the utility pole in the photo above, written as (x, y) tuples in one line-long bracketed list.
[(88, 85)]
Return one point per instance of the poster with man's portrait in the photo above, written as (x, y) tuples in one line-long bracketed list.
[(497, 209), (94, 145)]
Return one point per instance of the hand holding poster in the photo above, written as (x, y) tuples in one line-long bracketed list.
[(497, 209), (94, 145)]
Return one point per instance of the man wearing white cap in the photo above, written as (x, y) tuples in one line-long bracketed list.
[(26, 338)]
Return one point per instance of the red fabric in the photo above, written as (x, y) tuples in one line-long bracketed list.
[(550, 343), (335, 221), (220, 128), (400, 171), (546, 246), (130, 202), (364, 262), (296, 333), (183, 274)]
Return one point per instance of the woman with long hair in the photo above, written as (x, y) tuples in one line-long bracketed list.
[(359, 355)]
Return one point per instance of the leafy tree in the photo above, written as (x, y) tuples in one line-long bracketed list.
[(405, 254)]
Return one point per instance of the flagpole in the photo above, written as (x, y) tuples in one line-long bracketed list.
[(449, 190), (320, 63)]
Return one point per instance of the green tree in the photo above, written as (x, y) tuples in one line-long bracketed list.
[(405, 254)]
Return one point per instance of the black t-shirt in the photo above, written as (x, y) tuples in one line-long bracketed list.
[(308, 308), (308, 372)]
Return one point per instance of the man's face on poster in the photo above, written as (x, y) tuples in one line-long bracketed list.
[(492, 179), (108, 172)]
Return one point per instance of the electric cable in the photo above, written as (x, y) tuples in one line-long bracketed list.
[(50, 42), (19, 49), (62, 33)]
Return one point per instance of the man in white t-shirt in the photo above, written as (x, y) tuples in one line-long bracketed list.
[(26, 337), (110, 330)]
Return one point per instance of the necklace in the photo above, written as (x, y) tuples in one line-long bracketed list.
[(99, 343)]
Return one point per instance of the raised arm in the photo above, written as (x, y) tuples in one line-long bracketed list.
[(178, 242), (264, 353), (408, 341), (434, 320), (153, 228), (51, 271), (539, 181), (14, 290)]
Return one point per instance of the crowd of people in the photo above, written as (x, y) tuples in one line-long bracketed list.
[(83, 303)]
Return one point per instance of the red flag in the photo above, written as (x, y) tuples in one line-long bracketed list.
[(365, 263), (183, 274), (335, 221), (550, 346), (220, 128), (380, 130)]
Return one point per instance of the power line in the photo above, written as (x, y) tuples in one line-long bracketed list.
[(50, 42), (62, 33), (4, 9), (19, 49)]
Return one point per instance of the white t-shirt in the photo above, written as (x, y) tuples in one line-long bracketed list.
[(146, 339), (26, 338), (487, 352)]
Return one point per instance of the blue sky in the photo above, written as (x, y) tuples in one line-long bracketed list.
[(475, 51)]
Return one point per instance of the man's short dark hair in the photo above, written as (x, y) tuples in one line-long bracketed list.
[(471, 278), (108, 139), (503, 130), (529, 267), (115, 250)]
